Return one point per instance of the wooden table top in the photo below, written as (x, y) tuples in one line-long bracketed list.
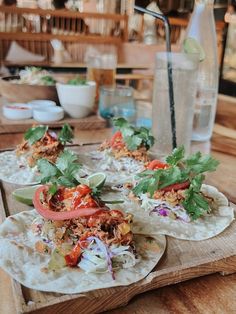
[(210, 294)]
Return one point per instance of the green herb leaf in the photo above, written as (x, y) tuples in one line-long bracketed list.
[(141, 187), (120, 123), (66, 134), (48, 171), (159, 179), (48, 80), (63, 172), (52, 189), (133, 137), (77, 81), (34, 134), (176, 156), (133, 142), (66, 181), (65, 159), (197, 163), (170, 176), (195, 203)]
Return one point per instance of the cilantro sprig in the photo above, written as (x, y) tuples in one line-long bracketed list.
[(48, 80), (35, 134), (133, 137), (63, 172), (77, 81), (195, 203), (180, 170), (66, 134)]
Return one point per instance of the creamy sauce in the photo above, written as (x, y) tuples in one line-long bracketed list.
[(14, 169)]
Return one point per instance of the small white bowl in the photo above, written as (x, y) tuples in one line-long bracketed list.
[(49, 114), (77, 100), (36, 104), (17, 111)]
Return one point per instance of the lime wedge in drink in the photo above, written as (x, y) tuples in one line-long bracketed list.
[(191, 45), (25, 195), (95, 180)]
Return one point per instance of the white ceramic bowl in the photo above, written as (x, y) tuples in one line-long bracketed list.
[(17, 111), (77, 100), (36, 104), (49, 114)]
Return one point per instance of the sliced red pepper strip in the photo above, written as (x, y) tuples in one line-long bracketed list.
[(50, 214), (72, 258), (157, 164), (176, 186)]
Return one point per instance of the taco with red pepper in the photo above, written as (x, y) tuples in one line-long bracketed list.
[(171, 198), (125, 154), (73, 243)]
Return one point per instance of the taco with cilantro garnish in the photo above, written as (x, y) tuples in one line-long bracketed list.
[(19, 166), (124, 155), (171, 197), (73, 243)]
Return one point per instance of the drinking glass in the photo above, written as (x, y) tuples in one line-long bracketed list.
[(117, 102), (184, 74), (102, 69)]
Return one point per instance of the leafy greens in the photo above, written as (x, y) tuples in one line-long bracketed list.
[(36, 133), (134, 137), (180, 170), (63, 172)]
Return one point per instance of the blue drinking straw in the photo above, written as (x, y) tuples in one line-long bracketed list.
[(169, 68)]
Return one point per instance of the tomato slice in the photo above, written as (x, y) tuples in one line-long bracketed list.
[(72, 258), (117, 140), (83, 189), (53, 215), (176, 186), (157, 164)]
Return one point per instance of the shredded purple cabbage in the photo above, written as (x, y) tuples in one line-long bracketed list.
[(161, 209)]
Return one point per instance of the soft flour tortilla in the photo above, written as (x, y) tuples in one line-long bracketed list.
[(16, 170), (20, 260), (201, 229), (117, 171)]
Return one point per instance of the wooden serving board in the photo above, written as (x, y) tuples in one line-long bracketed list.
[(182, 260)]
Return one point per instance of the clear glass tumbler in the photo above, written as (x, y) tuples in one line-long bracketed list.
[(184, 74), (117, 102), (102, 69)]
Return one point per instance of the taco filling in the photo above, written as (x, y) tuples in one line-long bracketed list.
[(81, 232), (124, 155), (39, 142), (20, 166), (173, 188)]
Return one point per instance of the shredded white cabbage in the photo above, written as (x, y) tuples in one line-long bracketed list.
[(149, 204)]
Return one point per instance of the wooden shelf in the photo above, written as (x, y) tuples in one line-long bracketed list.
[(79, 38)]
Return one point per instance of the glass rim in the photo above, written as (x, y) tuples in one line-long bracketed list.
[(117, 90)]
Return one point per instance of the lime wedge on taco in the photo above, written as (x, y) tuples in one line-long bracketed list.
[(191, 45), (25, 195), (95, 180)]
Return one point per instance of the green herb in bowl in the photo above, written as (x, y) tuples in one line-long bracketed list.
[(77, 81)]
